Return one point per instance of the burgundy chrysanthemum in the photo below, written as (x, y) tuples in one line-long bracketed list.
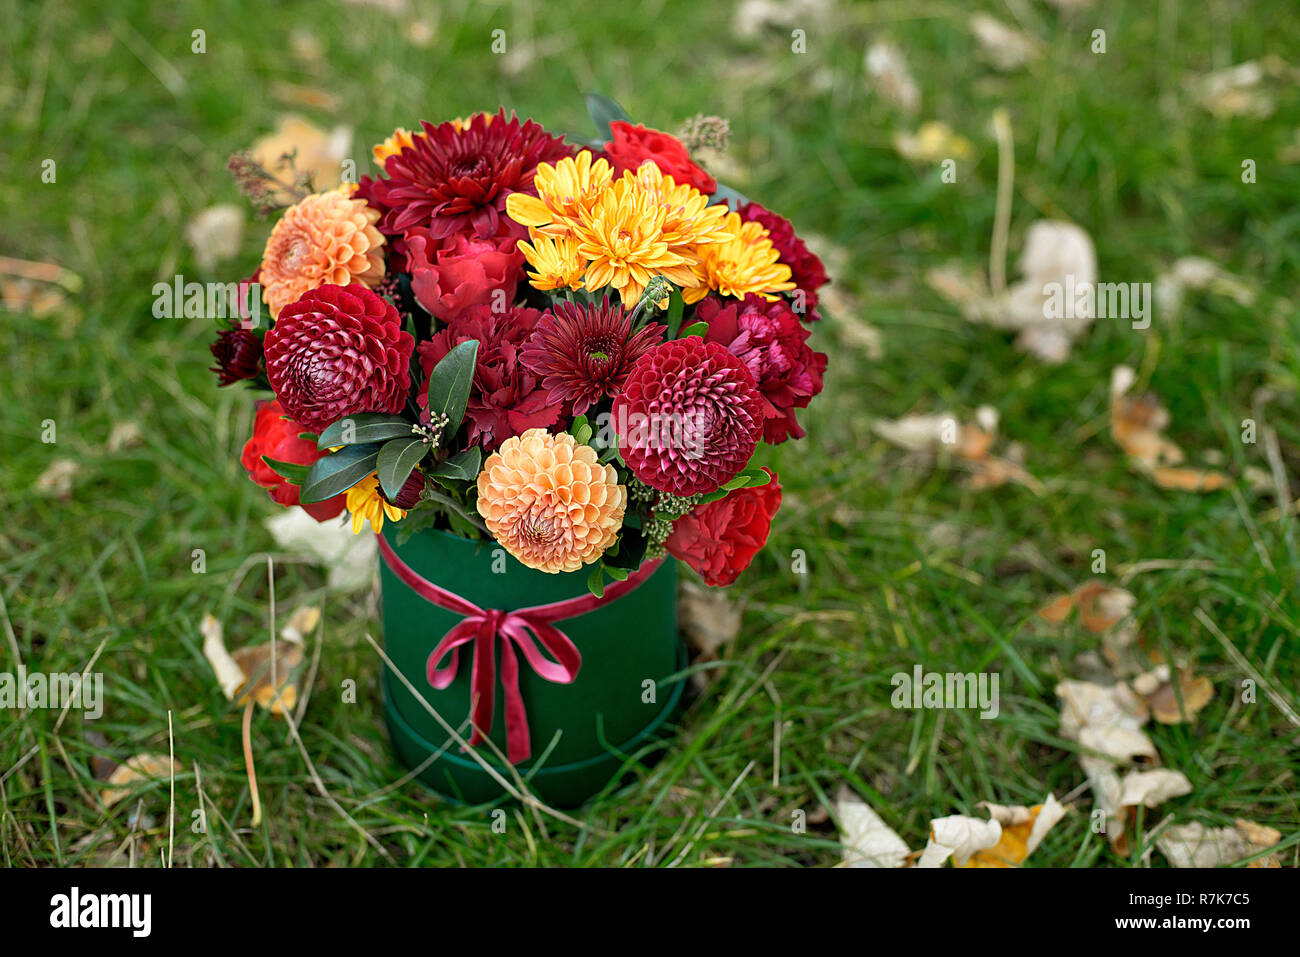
[(806, 270), (689, 416), (239, 355), (338, 351), (769, 338), (584, 353), (456, 181), (506, 398)]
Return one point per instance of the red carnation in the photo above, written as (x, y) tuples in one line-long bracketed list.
[(720, 539), (453, 180), (239, 356), (586, 352), (806, 270), (506, 398), (689, 416), (338, 351), (275, 435), (769, 338), (633, 145), (467, 272)]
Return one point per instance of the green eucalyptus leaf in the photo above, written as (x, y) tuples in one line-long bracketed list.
[(363, 428), (291, 472), (463, 466), (396, 460), (449, 385), (605, 111), (338, 472)]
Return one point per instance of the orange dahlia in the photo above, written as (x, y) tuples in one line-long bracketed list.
[(549, 502), (326, 238), (747, 264)]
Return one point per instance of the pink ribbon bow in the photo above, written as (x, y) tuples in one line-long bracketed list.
[(524, 628)]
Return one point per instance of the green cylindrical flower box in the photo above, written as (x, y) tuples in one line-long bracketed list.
[(583, 732)]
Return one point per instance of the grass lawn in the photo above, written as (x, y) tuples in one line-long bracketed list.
[(906, 563)]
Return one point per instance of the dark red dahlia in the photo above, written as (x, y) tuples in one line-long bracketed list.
[(506, 398), (409, 494), (689, 416), (584, 353), (338, 351), (453, 180), (806, 270), (769, 338), (239, 355)]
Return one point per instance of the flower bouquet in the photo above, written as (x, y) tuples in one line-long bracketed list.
[(539, 370)]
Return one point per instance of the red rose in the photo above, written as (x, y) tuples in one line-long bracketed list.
[(769, 338), (633, 145), (506, 398), (465, 272), (806, 270), (275, 435), (338, 351), (721, 538)]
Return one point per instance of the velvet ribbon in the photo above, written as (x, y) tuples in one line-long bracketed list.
[(523, 628)]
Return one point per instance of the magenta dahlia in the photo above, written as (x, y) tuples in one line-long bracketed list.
[(456, 177), (689, 416), (769, 338), (806, 270), (338, 351), (584, 353), (506, 398)]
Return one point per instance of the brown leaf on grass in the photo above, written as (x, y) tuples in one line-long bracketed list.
[(931, 144), (887, 67), (1136, 424), (1100, 607), (246, 672), (866, 840), (1005, 47), (140, 767), (36, 288), (215, 235), (56, 480), (970, 444), (297, 151), (1195, 845), (1156, 688), (708, 618)]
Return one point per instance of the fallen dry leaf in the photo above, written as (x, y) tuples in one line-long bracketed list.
[(867, 840), (215, 235), (887, 67), (349, 559), (139, 767), (56, 480), (933, 143), (1156, 687), (1136, 424), (1195, 845), (1023, 829), (971, 445), (1005, 47), (959, 837), (229, 675), (298, 150), (708, 617)]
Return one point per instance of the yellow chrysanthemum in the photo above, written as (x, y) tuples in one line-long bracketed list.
[(564, 191), (747, 264), (689, 220), (366, 505), (549, 501), (400, 140), (623, 239), (556, 262)]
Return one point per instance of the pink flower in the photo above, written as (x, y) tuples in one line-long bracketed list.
[(465, 272), (769, 338), (506, 398)]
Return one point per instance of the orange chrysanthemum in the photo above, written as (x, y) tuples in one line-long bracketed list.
[(549, 502), (747, 264), (326, 238), (400, 140)]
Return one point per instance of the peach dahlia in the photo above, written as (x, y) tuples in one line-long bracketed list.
[(326, 238), (549, 502)]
